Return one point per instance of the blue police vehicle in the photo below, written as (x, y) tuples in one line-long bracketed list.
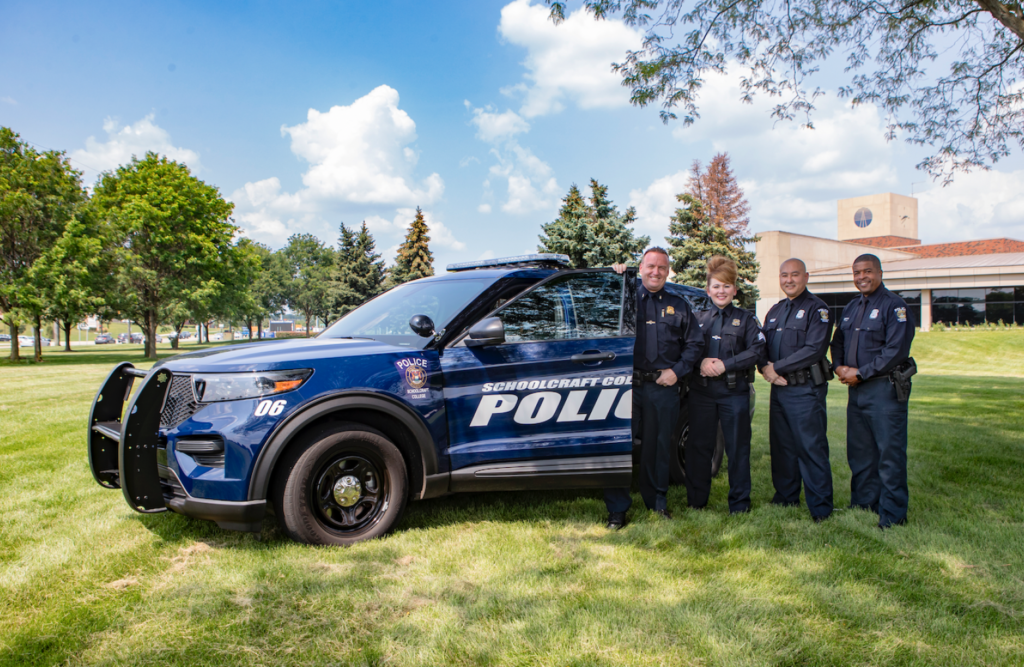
[(507, 374)]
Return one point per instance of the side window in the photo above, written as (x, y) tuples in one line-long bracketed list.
[(583, 305)]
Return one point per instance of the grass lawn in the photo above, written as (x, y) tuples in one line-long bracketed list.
[(532, 578)]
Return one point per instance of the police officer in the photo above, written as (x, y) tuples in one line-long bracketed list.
[(720, 393), (871, 342), (798, 330), (668, 344)]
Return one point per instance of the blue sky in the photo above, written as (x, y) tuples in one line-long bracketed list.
[(482, 113)]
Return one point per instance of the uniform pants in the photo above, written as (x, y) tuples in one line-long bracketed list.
[(659, 412), (799, 447), (710, 406), (876, 447)]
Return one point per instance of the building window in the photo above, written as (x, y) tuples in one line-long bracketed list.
[(978, 305)]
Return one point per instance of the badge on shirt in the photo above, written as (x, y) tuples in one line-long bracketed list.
[(670, 310), (760, 336), (901, 314), (800, 314), (735, 323), (874, 314), (823, 314)]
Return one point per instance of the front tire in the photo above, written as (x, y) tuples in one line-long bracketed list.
[(349, 484)]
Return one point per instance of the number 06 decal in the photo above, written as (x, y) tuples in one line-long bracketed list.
[(272, 408)]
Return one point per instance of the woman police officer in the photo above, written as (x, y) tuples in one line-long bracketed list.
[(720, 392)]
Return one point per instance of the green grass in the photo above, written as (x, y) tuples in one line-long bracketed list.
[(531, 578)]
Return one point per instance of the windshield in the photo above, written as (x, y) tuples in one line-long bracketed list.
[(386, 318)]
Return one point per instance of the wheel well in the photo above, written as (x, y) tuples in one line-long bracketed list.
[(380, 421)]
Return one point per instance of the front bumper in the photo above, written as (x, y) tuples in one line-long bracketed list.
[(131, 454)]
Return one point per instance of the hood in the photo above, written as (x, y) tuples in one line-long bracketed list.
[(276, 355)]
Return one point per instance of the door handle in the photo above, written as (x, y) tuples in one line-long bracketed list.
[(591, 357)]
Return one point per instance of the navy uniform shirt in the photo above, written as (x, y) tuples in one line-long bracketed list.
[(885, 330), (679, 340), (805, 332), (742, 343)]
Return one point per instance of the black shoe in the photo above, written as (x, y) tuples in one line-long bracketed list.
[(698, 507), (616, 520), (901, 522), (821, 519), (779, 503), (663, 514), (742, 511)]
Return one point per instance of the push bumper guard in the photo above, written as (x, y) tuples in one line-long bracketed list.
[(126, 451)]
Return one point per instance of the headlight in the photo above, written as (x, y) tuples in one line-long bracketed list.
[(233, 386)]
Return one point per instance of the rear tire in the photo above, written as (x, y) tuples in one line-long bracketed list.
[(680, 437), (348, 484)]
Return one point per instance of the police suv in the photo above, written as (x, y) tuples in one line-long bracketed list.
[(506, 374)]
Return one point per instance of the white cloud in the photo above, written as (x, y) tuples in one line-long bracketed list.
[(571, 61), (483, 208), (9, 100), (531, 183), (361, 160), (978, 205), (493, 127), (131, 140), (791, 175)]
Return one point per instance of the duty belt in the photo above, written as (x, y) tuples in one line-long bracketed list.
[(645, 376), (817, 373)]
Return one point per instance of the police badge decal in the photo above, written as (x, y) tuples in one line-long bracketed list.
[(901, 314), (413, 372)]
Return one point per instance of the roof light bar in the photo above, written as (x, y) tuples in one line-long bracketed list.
[(543, 259)]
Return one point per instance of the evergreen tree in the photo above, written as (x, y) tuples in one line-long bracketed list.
[(695, 239), (359, 274), (721, 196), (414, 258), (592, 233)]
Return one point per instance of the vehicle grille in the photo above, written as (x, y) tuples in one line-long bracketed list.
[(180, 404)]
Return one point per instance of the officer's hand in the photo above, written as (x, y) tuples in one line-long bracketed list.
[(769, 373), (715, 368), (667, 378), (780, 381), (848, 376), (706, 368), (619, 268)]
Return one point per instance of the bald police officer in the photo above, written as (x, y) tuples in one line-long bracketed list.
[(871, 341), (668, 344), (798, 330)]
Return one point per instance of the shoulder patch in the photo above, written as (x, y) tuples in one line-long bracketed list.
[(901, 314), (823, 314)]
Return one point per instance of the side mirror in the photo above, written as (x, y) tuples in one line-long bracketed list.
[(422, 325), (488, 331)]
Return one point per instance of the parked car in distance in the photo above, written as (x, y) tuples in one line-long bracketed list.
[(168, 336), (216, 336), (5, 338), (27, 341), (185, 335), (103, 339)]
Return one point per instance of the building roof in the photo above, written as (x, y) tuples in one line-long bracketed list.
[(985, 247), (941, 262), (888, 242)]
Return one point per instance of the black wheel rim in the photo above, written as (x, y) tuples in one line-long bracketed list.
[(338, 508), (681, 445)]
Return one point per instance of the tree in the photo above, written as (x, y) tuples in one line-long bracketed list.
[(945, 74), (414, 258), (171, 233), (359, 273), (69, 276), (695, 239), (592, 233), (309, 265), (39, 194), (720, 195)]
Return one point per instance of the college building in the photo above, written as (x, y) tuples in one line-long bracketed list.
[(970, 282)]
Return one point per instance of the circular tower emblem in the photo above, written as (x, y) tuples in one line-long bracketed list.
[(862, 218)]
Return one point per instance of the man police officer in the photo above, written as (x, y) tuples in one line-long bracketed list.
[(668, 344), (798, 329), (870, 353)]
